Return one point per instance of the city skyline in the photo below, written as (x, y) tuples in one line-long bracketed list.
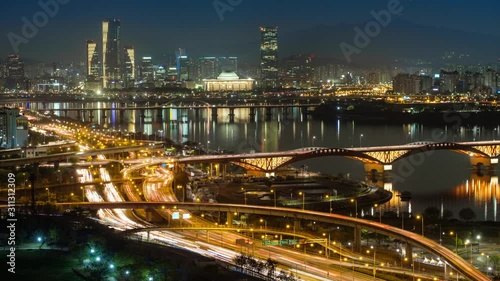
[(315, 29)]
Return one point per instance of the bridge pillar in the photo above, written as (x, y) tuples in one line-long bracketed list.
[(252, 114), (103, 114), (159, 113), (478, 163), (231, 115), (223, 168), (78, 115), (357, 239), (230, 217), (122, 114), (197, 113), (149, 215), (217, 170), (91, 115), (269, 113), (142, 114), (65, 113), (409, 253), (304, 111), (375, 171), (214, 114)]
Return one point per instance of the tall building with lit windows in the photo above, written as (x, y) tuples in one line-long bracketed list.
[(128, 67), (147, 71), (269, 56), (111, 62), (93, 67), (15, 76), (183, 65)]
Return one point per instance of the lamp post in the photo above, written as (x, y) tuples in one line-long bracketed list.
[(48, 195), (360, 137), (183, 192), (374, 261), (313, 139), (353, 200), (330, 200), (456, 240), (244, 194), (421, 217), (379, 212), (303, 199), (274, 193), (83, 193)]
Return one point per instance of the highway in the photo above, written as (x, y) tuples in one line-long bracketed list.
[(451, 258)]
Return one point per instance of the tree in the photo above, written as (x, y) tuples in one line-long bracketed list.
[(431, 213), (467, 214), (271, 267), (447, 214)]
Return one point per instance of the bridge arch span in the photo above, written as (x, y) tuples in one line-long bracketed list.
[(455, 147)]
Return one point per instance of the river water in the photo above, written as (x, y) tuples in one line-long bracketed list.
[(443, 179)]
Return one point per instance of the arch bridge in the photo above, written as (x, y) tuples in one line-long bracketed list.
[(377, 158)]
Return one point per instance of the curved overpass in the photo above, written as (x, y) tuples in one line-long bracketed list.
[(411, 238)]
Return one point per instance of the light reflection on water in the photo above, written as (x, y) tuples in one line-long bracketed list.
[(444, 178)]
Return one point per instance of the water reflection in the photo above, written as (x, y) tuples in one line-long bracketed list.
[(443, 180), (482, 193)]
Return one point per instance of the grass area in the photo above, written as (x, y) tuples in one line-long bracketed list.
[(42, 265)]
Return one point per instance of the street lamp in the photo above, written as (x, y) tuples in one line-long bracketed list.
[(83, 193), (330, 200), (379, 212), (313, 139), (245, 194), (360, 137), (265, 223), (183, 193), (374, 261), (421, 217), (274, 193), (456, 240), (303, 199), (48, 198), (353, 200)]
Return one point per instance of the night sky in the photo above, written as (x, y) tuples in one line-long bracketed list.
[(158, 27)]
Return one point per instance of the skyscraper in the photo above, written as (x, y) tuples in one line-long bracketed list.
[(182, 65), (147, 70), (269, 56), (15, 78), (13, 128), (111, 62), (128, 67), (92, 62)]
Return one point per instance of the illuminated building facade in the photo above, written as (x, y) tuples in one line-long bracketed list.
[(93, 81), (182, 65), (228, 81), (111, 62), (211, 67), (15, 78), (128, 67), (13, 128), (269, 56)]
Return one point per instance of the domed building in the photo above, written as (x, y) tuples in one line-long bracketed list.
[(228, 81)]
